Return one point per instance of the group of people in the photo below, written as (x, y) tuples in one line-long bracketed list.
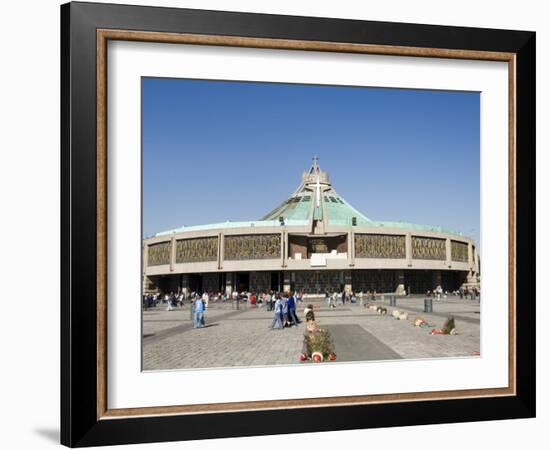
[(173, 300), (284, 307), (437, 293), (340, 298), (463, 292), (467, 292)]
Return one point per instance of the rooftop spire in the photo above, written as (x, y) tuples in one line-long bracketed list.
[(315, 167), (306, 203)]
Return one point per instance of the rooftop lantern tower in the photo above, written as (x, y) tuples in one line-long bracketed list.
[(316, 202)]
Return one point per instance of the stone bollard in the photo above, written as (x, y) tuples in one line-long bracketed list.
[(393, 300), (428, 305)]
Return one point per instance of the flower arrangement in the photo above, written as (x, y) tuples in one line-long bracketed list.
[(448, 327), (318, 344)]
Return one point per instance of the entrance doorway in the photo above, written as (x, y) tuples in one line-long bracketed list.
[(243, 281), (275, 281), (195, 282)]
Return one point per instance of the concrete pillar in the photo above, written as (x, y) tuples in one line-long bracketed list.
[(408, 249), (351, 248), (146, 282), (172, 253), (282, 249), (448, 253), (145, 257), (285, 248), (145, 251), (286, 281), (471, 278), (284, 245), (475, 259), (347, 281), (400, 281), (229, 282), (221, 247)]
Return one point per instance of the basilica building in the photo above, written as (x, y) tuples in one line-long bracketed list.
[(314, 241)]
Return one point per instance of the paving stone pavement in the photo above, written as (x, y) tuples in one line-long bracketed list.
[(244, 337)]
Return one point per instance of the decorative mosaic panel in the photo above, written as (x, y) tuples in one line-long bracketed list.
[(379, 246), (428, 248), (158, 254), (252, 246), (196, 250), (459, 251)]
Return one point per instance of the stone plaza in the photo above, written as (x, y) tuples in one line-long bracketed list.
[(243, 337)]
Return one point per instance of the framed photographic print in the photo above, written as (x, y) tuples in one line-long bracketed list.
[(326, 224)]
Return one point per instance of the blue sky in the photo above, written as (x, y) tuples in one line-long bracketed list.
[(218, 150)]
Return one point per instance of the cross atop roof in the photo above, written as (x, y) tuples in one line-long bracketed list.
[(315, 166)]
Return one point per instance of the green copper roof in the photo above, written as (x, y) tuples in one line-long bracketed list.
[(294, 208), (412, 227), (340, 212), (242, 224)]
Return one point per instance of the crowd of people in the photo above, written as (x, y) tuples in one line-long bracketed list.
[(282, 304), (463, 292), (174, 300), (468, 292), (342, 297)]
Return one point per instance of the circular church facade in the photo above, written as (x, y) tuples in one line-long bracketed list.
[(314, 241)]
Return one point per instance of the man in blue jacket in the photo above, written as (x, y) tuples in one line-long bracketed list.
[(292, 309)]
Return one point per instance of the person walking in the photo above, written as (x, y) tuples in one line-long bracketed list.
[(199, 312), (268, 301), (291, 304), (284, 305), (333, 299), (278, 316)]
